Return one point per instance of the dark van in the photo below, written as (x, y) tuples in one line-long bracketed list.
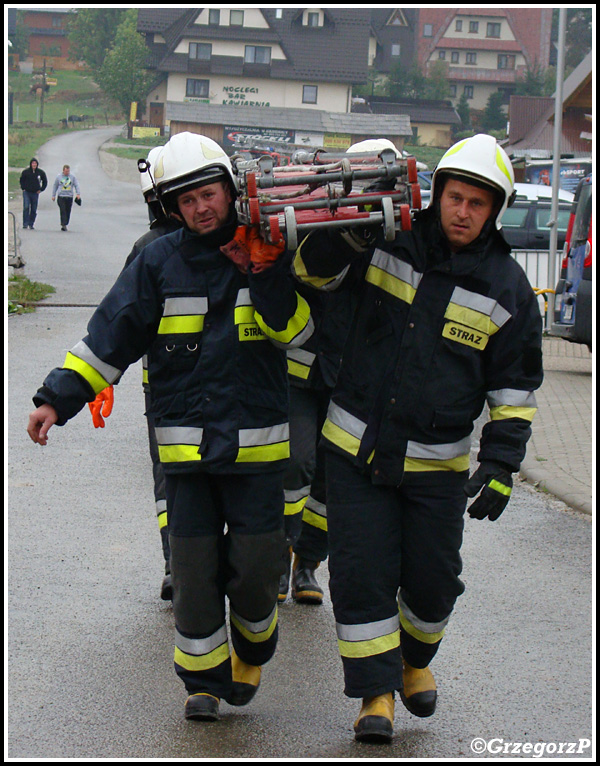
[(573, 298)]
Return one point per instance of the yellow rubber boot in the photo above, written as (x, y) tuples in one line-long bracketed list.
[(375, 722), (246, 680), (419, 692)]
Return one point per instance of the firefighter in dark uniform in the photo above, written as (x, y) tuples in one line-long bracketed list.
[(215, 306), (447, 323)]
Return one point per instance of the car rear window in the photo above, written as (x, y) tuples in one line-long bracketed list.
[(543, 216), (514, 217)]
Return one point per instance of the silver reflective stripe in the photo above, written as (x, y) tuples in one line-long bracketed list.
[(302, 356), (424, 627), (367, 631), (82, 351), (243, 297), (513, 397), (258, 437), (294, 495), (161, 506), (300, 339), (481, 303), (438, 451), (346, 421), (316, 507), (255, 627), (396, 268), (200, 646), (179, 435), (186, 306)]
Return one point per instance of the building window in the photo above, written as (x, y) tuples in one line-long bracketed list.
[(236, 18), (458, 27), (312, 19), (396, 49), (473, 27), (452, 90), (427, 30), (214, 16), (309, 94), (455, 57), (278, 13), (471, 58), (257, 54), (200, 51), (506, 61), (57, 22), (441, 55), (468, 91), (493, 29), (196, 88)]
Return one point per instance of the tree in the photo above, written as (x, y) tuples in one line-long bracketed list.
[(123, 76), (493, 115), (578, 35), (91, 33), (437, 86), (405, 83), (536, 81), (464, 112)]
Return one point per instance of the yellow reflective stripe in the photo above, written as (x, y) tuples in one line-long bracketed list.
[(471, 318), (263, 453), (254, 636), (203, 662), (501, 164), (244, 315), (342, 438), (354, 649), (314, 519), (460, 463), (291, 509), (297, 369), (505, 412), (499, 487), (420, 635), (162, 520), (174, 325), (178, 453), (296, 324), (392, 285), (93, 377)]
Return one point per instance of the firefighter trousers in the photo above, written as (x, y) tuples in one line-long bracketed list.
[(394, 564), (226, 537), (158, 475), (304, 481)]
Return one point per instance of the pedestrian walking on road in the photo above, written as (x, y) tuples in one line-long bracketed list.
[(65, 191), (446, 322), (218, 309), (33, 181)]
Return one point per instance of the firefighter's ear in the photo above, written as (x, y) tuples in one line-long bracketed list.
[(176, 216)]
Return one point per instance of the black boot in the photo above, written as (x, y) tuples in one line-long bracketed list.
[(305, 588)]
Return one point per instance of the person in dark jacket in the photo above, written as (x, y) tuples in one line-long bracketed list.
[(447, 323), (33, 181), (216, 307)]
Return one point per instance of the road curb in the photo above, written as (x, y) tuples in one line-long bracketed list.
[(541, 478)]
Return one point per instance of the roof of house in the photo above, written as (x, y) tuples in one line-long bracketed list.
[(310, 120), (344, 30), (435, 112)]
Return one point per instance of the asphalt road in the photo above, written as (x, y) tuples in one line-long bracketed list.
[(89, 643)]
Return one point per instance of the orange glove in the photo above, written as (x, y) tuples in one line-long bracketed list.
[(102, 405), (249, 248)]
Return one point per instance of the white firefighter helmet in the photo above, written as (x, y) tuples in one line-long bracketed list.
[(373, 145), (147, 176), (480, 160), (189, 160)]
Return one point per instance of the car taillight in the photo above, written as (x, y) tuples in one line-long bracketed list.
[(587, 261)]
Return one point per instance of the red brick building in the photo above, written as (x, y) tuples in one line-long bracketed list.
[(48, 39)]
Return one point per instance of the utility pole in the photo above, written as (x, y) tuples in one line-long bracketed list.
[(43, 91)]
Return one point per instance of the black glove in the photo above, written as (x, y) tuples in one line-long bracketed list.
[(497, 487)]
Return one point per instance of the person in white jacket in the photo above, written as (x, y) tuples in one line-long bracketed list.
[(65, 190)]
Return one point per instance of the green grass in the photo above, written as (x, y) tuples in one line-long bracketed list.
[(24, 294)]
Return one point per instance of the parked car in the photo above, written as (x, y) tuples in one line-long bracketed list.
[(425, 184), (525, 222), (573, 298)]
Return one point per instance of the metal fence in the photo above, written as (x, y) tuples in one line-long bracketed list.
[(535, 264)]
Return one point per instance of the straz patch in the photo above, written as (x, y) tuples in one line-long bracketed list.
[(250, 332), (466, 335)]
